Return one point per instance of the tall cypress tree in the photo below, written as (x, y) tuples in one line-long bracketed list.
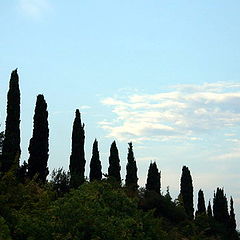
[(95, 164), (201, 209), (131, 176), (209, 210), (232, 220), (39, 146), (186, 191), (153, 178), (77, 158), (220, 207), (11, 144), (114, 163)]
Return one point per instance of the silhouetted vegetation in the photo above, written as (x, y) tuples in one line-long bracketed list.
[(153, 178), (69, 207), (77, 158), (11, 143), (186, 191), (201, 208), (95, 164), (131, 177), (114, 164), (38, 146)]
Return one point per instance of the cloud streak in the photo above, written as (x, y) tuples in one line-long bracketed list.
[(184, 112), (34, 8)]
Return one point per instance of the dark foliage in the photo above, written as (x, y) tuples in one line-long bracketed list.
[(232, 220), (22, 173), (220, 207), (95, 164), (11, 144), (163, 206), (1, 141), (39, 146), (153, 178), (114, 164), (186, 191), (209, 210), (77, 158), (131, 176), (60, 182), (201, 208)]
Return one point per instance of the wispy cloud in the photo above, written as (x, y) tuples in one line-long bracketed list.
[(34, 8), (184, 112)]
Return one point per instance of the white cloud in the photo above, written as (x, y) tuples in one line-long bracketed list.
[(185, 112), (34, 8)]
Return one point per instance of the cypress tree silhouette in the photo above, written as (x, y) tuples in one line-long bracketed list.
[(77, 158), (131, 176), (201, 209), (209, 210), (220, 207), (153, 178), (38, 146), (232, 220), (114, 163), (11, 144), (186, 191), (95, 164)]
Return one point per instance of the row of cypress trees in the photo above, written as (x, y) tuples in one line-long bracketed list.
[(39, 146), (38, 159)]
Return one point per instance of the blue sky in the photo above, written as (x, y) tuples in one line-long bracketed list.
[(163, 74)]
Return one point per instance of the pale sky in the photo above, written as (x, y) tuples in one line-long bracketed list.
[(162, 74)]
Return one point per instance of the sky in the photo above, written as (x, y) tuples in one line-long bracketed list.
[(162, 74)]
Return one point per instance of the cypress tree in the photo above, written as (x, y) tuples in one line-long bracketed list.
[(114, 163), (220, 207), (153, 178), (11, 144), (95, 164), (39, 146), (201, 209), (131, 176), (186, 191), (77, 158), (209, 210), (232, 220)]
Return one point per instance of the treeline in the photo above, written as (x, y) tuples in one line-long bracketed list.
[(213, 220)]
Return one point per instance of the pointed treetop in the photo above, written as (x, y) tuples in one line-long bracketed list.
[(114, 163), (131, 170), (77, 113), (78, 117), (95, 164)]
